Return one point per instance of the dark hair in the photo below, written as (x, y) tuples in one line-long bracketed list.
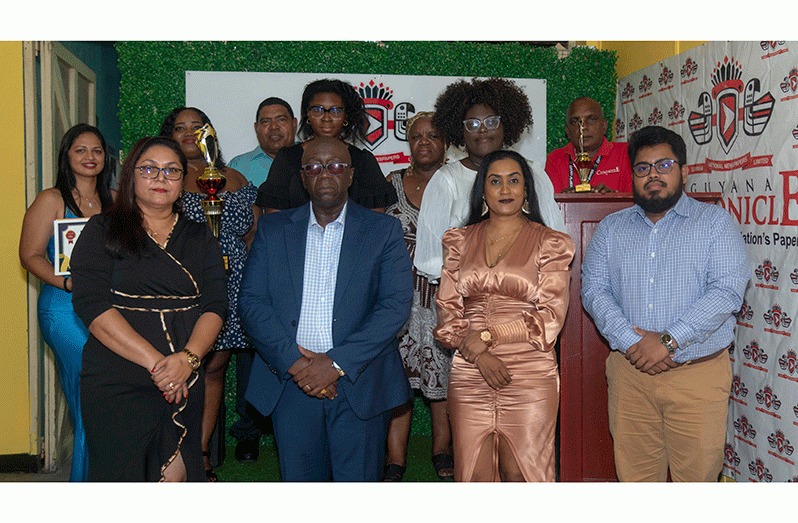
[(655, 135), (353, 105), (478, 189), (168, 127), (273, 100), (503, 96), (65, 179), (125, 229)]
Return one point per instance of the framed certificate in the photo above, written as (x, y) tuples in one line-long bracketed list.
[(65, 234)]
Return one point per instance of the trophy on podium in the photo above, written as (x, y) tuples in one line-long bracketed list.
[(583, 163), (211, 181)]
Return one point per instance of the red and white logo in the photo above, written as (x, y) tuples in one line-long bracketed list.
[(734, 103)]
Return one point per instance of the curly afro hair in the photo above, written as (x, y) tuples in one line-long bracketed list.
[(503, 96)]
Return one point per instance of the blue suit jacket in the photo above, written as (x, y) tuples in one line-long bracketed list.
[(373, 295)]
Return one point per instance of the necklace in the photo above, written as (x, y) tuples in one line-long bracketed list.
[(504, 250), (88, 200), (152, 233)]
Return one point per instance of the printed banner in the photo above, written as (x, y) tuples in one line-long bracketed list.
[(231, 98), (736, 106)]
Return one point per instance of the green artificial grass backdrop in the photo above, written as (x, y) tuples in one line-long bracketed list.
[(153, 83)]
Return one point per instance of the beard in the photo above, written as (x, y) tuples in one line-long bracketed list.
[(657, 204)]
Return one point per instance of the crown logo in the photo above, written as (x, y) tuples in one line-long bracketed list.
[(373, 91), (726, 75)]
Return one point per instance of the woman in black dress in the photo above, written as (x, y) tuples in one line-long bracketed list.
[(329, 108), (150, 286)]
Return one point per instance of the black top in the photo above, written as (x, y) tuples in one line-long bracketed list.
[(283, 187), (161, 294)]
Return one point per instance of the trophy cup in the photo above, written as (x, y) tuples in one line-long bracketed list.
[(583, 163), (211, 181)]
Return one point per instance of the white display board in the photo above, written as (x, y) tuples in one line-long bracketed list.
[(230, 100)]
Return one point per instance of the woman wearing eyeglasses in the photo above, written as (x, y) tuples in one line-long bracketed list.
[(236, 231), (483, 116), (329, 108), (82, 189), (151, 287)]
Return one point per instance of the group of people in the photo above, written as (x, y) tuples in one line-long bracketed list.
[(346, 290)]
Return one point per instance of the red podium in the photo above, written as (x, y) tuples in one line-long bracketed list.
[(585, 441)]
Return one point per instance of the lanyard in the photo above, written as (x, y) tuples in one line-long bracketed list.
[(589, 175)]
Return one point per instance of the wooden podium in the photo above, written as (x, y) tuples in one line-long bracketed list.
[(585, 441)]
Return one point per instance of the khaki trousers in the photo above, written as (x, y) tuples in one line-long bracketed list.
[(675, 419)]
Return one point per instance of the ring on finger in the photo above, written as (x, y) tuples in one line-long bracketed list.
[(171, 385), (324, 391)]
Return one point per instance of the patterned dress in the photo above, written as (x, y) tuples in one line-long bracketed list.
[(237, 220), (426, 363)]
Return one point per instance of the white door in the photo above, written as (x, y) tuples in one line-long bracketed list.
[(65, 97)]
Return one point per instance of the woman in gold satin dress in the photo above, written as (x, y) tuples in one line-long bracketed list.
[(501, 303)]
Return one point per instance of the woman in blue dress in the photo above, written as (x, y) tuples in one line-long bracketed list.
[(236, 231), (82, 189)]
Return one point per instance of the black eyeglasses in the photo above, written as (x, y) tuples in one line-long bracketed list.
[(663, 166), (150, 172), (334, 169), (472, 125), (317, 111)]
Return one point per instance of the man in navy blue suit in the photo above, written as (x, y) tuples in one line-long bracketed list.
[(326, 288)]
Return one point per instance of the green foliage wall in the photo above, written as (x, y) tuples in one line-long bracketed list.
[(153, 73), (153, 83)]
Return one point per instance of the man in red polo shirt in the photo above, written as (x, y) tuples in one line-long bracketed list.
[(610, 170)]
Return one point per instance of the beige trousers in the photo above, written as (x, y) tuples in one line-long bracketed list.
[(675, 419)]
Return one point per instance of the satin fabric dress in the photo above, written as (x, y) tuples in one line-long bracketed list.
[(523, 301), (63, 331)]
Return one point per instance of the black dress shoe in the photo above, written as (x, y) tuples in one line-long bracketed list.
[(247, 450)]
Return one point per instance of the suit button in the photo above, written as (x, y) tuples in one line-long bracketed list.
[(293, 323)]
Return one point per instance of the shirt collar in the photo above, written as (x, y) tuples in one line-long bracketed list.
[(604, 150), (341, 220)]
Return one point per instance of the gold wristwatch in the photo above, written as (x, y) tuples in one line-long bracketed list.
[(486, 338), (193, 359)]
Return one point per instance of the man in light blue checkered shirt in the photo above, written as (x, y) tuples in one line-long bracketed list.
[(661, 281)]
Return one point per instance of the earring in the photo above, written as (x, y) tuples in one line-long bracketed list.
[(484, 206), (525, 207), (346, 122)]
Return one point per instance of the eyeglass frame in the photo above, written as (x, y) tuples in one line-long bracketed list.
[(161, 170), (320, 109), (654, 165), (481, 123), (324, 167)]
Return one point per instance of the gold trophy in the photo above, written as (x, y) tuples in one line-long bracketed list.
[(211, 181), (583, 163)]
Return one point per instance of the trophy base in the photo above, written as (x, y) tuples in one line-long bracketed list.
[(583, 187)]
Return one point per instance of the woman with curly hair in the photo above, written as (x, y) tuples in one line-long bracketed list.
[(329, 108), (483, 116)]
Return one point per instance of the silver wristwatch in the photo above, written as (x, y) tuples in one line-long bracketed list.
[(667, 340)]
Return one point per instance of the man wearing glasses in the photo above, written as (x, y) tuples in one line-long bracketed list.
[(609, 170), (661, 280), (326, 288)]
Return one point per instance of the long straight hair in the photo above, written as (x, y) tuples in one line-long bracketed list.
[(478, 189), (125, 223), (65, 179)]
